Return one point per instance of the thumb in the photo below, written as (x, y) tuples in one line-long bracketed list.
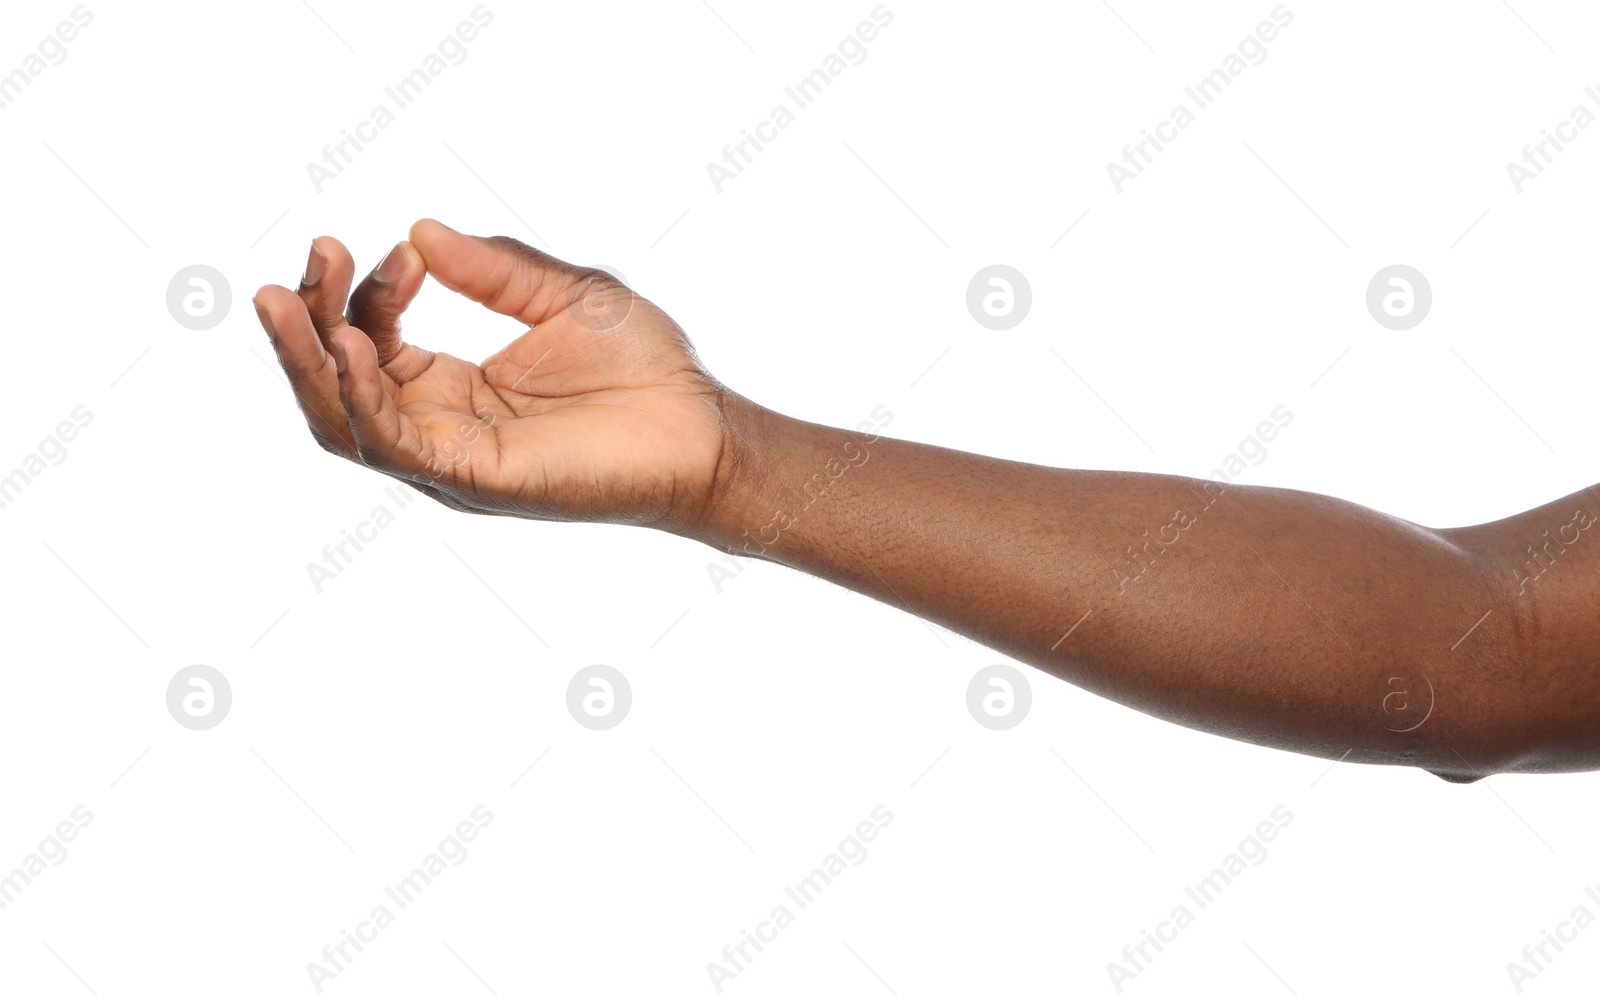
[(499, 272)]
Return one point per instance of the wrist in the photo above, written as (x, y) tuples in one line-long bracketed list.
[(755, 440), (777, 472)]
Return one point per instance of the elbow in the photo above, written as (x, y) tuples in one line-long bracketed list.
[(1515, 694), (1526, 694)]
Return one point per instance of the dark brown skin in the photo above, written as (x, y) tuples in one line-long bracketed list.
[(1268, 615)]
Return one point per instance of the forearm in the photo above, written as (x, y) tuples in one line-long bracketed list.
[(1278, 617)]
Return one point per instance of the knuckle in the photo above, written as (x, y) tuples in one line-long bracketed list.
[(327, 443), (519, 248), (371, 457)]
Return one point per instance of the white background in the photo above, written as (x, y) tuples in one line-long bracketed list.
[(771, 716)]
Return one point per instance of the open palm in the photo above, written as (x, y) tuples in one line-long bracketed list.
[(598, 411)]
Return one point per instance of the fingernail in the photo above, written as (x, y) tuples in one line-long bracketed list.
[(266, 323), (393, 266), (336, 350), (316, 266)]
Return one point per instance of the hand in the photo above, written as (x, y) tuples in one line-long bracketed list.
[(598, 411)]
